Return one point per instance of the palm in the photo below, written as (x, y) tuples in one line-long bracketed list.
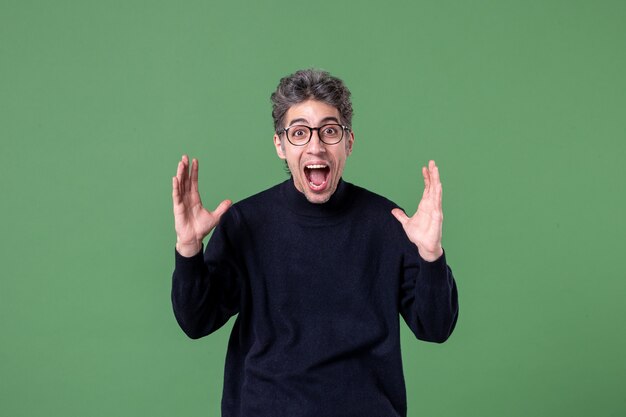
[(424, 228), (191, 220)]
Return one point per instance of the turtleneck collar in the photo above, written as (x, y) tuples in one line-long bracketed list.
[(297, 202)]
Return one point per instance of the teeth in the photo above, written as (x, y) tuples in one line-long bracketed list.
[(315, 166)]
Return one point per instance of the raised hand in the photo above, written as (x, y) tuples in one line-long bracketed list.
[(424, 229), (191, 220)]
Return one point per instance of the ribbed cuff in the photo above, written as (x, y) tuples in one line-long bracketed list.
[(436, 269), (189, 266)]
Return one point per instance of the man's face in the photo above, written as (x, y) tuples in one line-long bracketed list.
[(316, 167)]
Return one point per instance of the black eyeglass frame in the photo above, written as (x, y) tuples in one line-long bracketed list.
[(311, 129)]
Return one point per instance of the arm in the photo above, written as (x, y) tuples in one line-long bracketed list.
[(203, 293), (429, 302)]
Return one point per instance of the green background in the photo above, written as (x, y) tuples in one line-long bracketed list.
[(521, 103)]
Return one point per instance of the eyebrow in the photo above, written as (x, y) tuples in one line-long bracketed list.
[(322, 122)]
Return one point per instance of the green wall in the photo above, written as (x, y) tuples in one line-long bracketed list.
[(521, 103)]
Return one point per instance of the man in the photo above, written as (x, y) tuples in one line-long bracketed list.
[(318, 271)]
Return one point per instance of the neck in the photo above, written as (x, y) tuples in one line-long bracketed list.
[(297, 201)]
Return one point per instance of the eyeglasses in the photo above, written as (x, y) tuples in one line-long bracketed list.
[(300, 135)]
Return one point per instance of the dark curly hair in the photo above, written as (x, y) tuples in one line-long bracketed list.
[(310, 84)]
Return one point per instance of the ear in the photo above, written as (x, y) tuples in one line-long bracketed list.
[(349, 143), (280, 149)]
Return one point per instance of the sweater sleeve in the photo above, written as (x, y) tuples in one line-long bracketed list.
[(428, 297), (206, 288)]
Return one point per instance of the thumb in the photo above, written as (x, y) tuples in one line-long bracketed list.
[(400, 215), (222, 208)]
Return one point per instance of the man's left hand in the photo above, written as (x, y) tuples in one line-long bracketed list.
[(424, 229)]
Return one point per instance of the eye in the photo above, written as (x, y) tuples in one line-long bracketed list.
[(298, 132), (331, 131)]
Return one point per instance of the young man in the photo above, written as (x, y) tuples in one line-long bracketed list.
[(317, 270)]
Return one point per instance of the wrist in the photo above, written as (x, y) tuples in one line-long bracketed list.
[(189, 249), (430, 255)]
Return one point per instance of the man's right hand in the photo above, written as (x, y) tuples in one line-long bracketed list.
[(192, 221)]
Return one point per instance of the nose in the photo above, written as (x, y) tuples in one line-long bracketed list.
[(315, 145)]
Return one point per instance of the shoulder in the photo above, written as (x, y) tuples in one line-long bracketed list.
[(366, 199), (247, 215), (253, 209), (374, 211), (260, 200)]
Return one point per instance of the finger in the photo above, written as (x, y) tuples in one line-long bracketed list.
[(175, 192), (426, 175), (435, 198), (222, 208), (180, 174), (437, 187), (186, 183), (434, 173), (194, 175), (180, 170), (400, 216)]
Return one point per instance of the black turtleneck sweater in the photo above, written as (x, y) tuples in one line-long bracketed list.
[(318, 290)]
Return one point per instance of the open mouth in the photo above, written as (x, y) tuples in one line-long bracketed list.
[(317, 176)]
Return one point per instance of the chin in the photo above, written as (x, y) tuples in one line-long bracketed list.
[(318, 198)]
